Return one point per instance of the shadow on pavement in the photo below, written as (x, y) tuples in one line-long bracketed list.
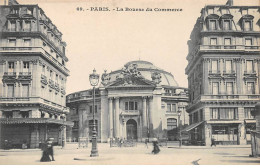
[(241, 161), (237, 156)]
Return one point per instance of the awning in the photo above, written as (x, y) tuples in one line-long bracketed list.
[(192, 126), (250, 121), (34, 121)]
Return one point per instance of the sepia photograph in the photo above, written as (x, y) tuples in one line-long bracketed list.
[(129, 82)]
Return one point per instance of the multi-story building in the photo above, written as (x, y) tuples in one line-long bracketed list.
[(223, 73), (136, 102), (33, 77)]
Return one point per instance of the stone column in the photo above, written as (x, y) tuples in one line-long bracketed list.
[(110, 118), (34, 136), (241, 134), (208, 134), (150, 119), (117, 118), (144, 112)]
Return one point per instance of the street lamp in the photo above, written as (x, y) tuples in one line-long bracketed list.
[(94, 79), (179, 115)]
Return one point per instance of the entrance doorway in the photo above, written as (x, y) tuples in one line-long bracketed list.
[(131, 129)]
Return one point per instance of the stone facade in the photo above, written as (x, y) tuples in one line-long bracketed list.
[(136, 102), (33, 77), (223, 73)]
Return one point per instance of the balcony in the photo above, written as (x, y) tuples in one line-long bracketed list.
[(51, 84), (44, 79), (24, 76), (228, 97), (57, 87), (229, 74), (33, 100), (130, 113), (25, 50), (9, 76), (225, 48), (62, 90)]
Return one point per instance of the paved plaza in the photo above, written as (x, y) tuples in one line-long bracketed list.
[(138, 155)]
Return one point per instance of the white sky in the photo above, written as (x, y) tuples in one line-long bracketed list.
[(108, 40)]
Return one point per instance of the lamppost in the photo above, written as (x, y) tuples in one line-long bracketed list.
[(94, 79), (179, 121)]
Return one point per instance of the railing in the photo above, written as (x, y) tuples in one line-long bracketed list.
[(35, 49), (9, 73), (25, 73), (33, 100), (240, 97), (228, 47), (130, 112)]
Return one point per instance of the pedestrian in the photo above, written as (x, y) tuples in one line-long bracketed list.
[(146, 143), (45, 154), (50, 148), (213, 142), (156, 148), (121, 142)]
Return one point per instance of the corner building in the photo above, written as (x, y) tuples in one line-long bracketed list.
[(223, 74), (33, 78), (136, 102)]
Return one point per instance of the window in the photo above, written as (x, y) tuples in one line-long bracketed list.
[(214, 66), (250, 88), (228, 66), (63, 63), (248, 42), (27, 26), (247, 26), (226, 25), (51, 74), (26, 66), (212, 25), (10, 90), (229, 88), (24, 114), (224, 113), (201, 115), (131, 105), (247, 111), (171, 107), (12, 42), (43, 69), (213, 41), (215, 88), (91, 109), (8, 114), (25, 90), (171, 123), (27, 42), (57, 77), (13, 26), (76, 124), (249, 66), (227, 41), (10, 66)]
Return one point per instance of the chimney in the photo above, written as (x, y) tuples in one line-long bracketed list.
[(12, 2), (229, 3)]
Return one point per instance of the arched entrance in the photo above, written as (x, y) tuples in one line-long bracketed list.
[(131, 129)]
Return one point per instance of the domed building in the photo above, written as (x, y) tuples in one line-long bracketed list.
[(138, 101)]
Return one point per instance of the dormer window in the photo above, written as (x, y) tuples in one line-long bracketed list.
[(27, 26), (212, 24), (247, 25), (14, 11), (28, 11), (212, 21), (247, 22), (227, 25)]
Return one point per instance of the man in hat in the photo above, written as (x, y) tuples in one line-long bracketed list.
[(50, 148), (156, 148)]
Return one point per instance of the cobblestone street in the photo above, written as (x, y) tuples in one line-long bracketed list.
[(139, 155)]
